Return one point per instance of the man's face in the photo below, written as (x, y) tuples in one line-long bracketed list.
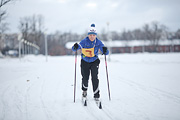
[(92, 37)]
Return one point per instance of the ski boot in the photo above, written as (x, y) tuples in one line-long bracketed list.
[(84, 98), (84, 94), (98, 102)]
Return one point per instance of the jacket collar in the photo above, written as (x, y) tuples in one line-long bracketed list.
[(94, 42)]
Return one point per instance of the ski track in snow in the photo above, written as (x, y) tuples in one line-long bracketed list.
[(4, 105), (153, 91), (46, 111)]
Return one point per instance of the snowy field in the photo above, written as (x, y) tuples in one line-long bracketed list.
[(143, 87)]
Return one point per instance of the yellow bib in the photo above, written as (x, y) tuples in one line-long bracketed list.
[(88, 52)]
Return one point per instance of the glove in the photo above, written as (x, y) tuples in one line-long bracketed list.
[(76, 46), (104, 50)]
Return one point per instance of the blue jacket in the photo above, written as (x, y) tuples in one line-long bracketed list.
[(86, 43)]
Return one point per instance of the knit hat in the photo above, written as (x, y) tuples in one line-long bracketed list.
[(92, 30)]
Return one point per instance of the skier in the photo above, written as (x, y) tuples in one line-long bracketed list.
[(90, 61)]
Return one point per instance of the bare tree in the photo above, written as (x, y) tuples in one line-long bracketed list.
[(24, 27), (3, 12), (126, 35), (32, 28), (3, 23), (37, 28), (177, 34), (147, 32), (115, 35), (158, 31), (137, 34), (3, 28)]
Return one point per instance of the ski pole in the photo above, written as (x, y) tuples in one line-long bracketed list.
[(107, 78), (75, 76)]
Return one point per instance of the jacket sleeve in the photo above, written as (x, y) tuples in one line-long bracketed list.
[(101, 48), (73, 49)]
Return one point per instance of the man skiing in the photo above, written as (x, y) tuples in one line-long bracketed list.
[(90, 61)]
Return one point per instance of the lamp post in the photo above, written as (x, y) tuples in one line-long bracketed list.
[(27, 47), (19, 39)]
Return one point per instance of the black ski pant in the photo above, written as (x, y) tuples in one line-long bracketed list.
[(86, 69)]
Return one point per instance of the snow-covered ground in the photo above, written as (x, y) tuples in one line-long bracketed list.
[(143, 87)]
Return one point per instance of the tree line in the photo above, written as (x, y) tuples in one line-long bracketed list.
[(32, 29)]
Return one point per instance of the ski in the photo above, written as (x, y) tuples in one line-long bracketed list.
[(84, 101), (98, 103)]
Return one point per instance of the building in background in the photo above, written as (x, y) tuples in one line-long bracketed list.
[(138, 46)]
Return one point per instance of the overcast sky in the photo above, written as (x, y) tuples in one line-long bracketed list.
[(77, 15)]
